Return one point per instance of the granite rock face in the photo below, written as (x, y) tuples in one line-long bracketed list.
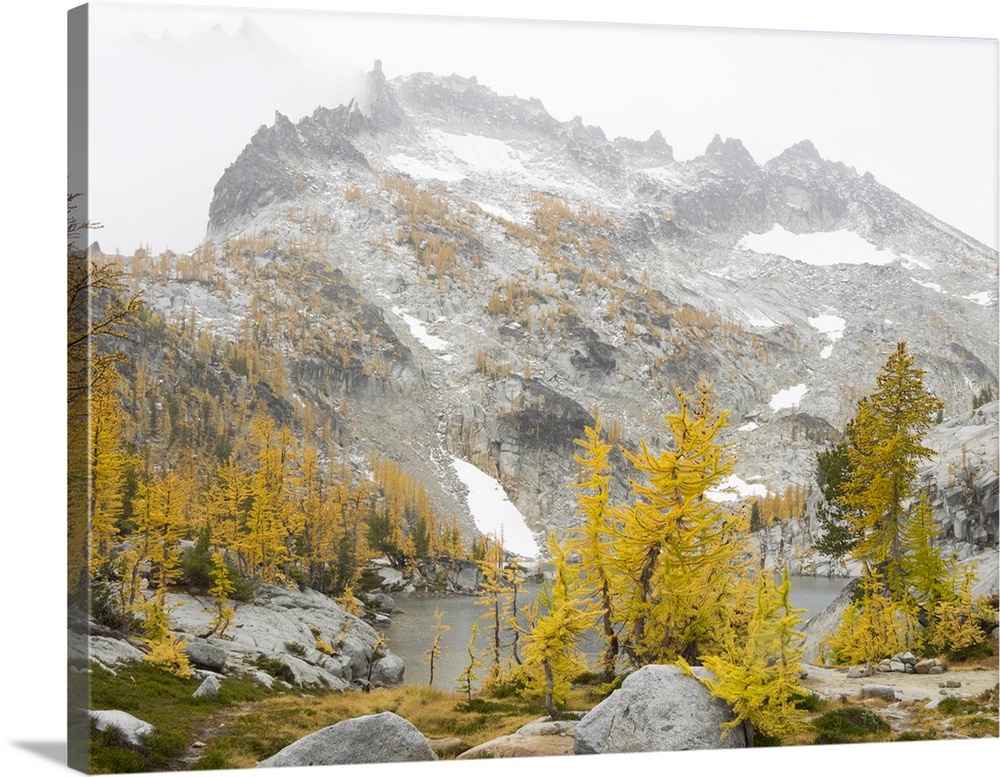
[(657, 708), (962, 479), (283, 625)]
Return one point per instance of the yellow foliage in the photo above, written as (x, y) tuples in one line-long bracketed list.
[(324, 647), (169, 654), (348, 602), (757, 669), (683, 559), (354, 194), (166, 648), (872, 628), (558, 620), (593, 540), (222, 586), (437, 650), (884, 451), (954, 620)]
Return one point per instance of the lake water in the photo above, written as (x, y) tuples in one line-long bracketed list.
[(411, 632)]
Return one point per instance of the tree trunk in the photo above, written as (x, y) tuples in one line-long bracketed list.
[(549, 686)]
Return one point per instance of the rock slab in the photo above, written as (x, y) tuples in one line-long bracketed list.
[(132, 728), (658, 708), (205, 655), (388, 670), (209, 688), (381, 738), (541, 737)]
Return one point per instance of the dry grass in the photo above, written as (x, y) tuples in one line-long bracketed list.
[(989, 663), (274, 723)]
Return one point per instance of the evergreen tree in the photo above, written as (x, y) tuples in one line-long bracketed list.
[(884, 449), (557, 621), (592, 542), (421, 538), (839, 535), (681, 556), (982, 397)]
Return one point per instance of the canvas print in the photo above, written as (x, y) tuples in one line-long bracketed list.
[(446, 388)]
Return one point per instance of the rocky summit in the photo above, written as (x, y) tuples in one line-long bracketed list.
[(507, 273)]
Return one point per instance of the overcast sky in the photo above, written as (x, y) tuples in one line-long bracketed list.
[(177, 92)]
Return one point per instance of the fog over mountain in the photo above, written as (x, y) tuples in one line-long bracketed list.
[(175, 94)]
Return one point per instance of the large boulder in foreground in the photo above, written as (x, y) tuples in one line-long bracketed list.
[(381, 738), (657, 708)]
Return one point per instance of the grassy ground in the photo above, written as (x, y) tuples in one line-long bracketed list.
[(165, 701), (279, 721), (248, 722)]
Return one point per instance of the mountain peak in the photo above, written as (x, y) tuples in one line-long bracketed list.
[(731, 149), (803, 149), (647, 153), (378, 103)]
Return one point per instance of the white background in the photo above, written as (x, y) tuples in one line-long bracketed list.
[(34, 142)]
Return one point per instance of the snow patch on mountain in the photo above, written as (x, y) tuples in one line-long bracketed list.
[(448, 157), (911, 263), (419, 331), (789, 397), (758, 319), (480, 153), (733, 489), (820, 249), (929, 285), (671, 175), (492, 510), (503, 213), (832, 327), (417, 168), (980, 298)]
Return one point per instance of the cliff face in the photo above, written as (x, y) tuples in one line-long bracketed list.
[(962, 483), (962, 479)]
